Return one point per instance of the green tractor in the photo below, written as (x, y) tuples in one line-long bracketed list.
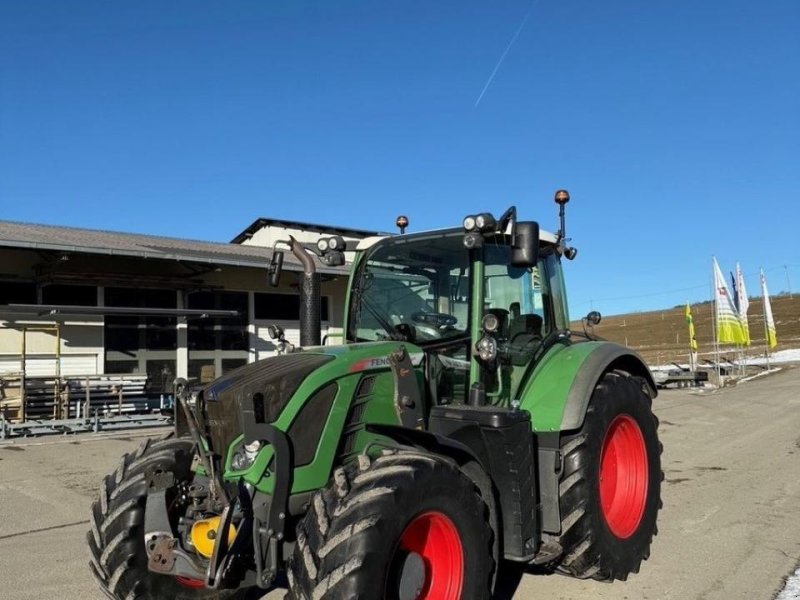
[(460, 424)]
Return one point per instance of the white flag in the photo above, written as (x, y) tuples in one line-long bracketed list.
[(743, 302), (769, 322), (729, 327)]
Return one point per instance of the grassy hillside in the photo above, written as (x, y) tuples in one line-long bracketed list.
[(662, 336)]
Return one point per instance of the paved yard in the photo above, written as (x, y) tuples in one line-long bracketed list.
[(730, 527)]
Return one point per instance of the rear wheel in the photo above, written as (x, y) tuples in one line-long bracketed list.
[(611, 485), (116, 539), (406, 526)]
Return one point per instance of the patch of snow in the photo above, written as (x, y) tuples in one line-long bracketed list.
[(791, 590), (792, 355), (757, 375), (781, 357)]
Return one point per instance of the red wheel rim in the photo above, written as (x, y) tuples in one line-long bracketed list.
[(188, 582), (623, 476), (435, 538)]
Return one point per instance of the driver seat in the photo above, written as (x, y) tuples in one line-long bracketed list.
[(523, 334)]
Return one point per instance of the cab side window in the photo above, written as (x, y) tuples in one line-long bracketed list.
[(522, 299)]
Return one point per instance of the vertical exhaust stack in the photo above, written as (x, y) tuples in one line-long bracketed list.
[(310, 326)]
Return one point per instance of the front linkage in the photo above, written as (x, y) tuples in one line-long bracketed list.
[(264, 516)]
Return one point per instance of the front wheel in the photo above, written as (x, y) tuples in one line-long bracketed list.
[(116, 538), (406, 526), (610, 490)]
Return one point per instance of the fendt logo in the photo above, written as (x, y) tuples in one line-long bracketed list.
[(381, 363)]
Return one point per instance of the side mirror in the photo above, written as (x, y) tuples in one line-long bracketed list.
[(525, 244), (275, 267), (593, 318)]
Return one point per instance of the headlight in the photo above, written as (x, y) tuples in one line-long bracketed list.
[(485, 222), (487, 348), (244, 457), (469, 223)]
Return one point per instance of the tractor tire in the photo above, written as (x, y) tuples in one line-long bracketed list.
[(610, 488), (118, 560), (404, 526)]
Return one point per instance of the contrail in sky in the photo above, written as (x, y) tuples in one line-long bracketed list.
[(503, 56)]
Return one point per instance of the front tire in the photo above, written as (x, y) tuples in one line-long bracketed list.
[(118, 560), (610, 489), (406, 526)]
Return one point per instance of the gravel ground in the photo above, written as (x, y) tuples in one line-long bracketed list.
[(730, 527)]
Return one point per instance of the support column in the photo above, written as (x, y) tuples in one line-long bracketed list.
[(182, 358), (101, 355), (252, 335)]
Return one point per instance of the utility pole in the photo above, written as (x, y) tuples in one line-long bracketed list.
[(788, 283)]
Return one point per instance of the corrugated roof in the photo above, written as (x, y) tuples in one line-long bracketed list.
[(93, 241)]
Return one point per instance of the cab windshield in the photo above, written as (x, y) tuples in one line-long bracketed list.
[(415, 290)]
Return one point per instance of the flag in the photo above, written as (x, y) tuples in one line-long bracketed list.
[(690, 323), (728, 324), (692, 337), (769, 322), (742, 304)]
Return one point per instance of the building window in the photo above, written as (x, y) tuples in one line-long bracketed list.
[(70, 295), (223, 333), (160, 376), (17, 292), (201, 370), (122, 367), (284, 307), (131, 333), (230, 364)]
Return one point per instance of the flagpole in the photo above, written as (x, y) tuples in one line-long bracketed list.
[(766, 340), (764, 310), (714, 324)]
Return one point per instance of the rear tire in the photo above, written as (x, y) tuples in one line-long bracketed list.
[(377, 516), (610, 489), (118, 560)]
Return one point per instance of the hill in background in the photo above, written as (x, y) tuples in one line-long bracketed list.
[(662, 336)]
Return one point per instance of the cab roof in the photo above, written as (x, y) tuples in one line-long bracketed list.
[(368, 242)]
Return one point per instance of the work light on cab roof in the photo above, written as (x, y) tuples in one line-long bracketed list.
[(561, 198), (402, 223)]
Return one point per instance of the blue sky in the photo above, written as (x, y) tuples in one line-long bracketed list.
[(675, 125)]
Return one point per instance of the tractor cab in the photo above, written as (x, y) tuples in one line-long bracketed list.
[(480, 318)]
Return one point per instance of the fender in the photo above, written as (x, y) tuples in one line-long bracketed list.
[(606, 357), (558, 391)]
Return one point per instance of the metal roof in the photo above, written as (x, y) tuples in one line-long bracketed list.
[(92, 241), (324, 229)]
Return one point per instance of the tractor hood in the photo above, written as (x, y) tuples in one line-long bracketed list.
[(272, 382)]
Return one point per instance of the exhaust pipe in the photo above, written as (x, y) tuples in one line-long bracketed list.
[(310, 326)]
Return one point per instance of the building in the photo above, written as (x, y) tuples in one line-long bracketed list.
[(81, 302)]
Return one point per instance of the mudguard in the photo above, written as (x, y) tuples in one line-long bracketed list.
[(607, 357), (558, 391)]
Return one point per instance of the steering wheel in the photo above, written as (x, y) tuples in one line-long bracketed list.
[(434, 319)]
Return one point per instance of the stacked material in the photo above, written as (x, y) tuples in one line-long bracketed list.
[(70, 397)]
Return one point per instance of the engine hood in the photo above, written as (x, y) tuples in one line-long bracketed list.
[(273, 381)]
